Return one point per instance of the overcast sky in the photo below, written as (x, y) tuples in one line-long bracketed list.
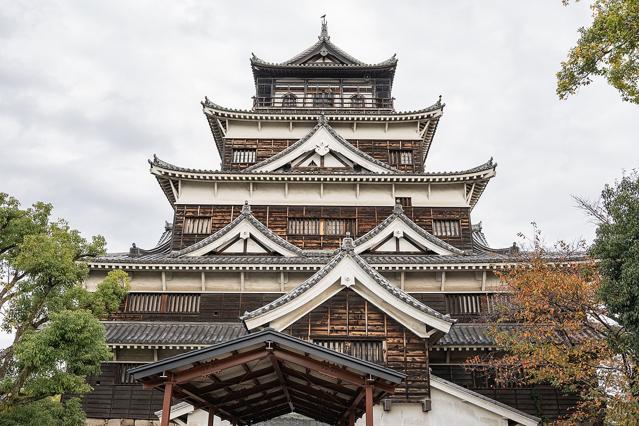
[(89, 90)]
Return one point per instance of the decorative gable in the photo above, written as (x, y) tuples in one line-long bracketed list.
[(243, 236), (348, 270), (322, 149), (399, 234)]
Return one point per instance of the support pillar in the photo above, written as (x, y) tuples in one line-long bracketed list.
[(351, 419), (369, 405), (211, 417), (166, 404)]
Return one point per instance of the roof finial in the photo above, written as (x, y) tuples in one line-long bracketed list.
[(246, 208), (347, 242), (398, 209), (322, 119), (324, 34)]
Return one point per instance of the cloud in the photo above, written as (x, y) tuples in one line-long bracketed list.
[(89, 90)]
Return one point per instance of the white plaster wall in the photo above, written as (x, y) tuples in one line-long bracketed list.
[(421, 281), (446, 411), (183, 281), (223, 281), (282, 130), (94, 278), (335, 194), (146, 281)]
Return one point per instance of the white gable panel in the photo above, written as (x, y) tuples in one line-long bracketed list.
[(245, 229), (398, 226), (323, 143)]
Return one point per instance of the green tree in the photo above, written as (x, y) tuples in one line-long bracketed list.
[(616, 245), (58, 339), (609, 48)]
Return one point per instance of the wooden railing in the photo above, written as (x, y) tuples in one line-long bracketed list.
[(311, 101)]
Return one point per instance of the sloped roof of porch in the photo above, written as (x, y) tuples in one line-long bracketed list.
[(267, 374)]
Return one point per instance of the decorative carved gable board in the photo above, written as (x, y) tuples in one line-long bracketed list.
[(347, 270), (244, 235), (321, 148), (399, 234)]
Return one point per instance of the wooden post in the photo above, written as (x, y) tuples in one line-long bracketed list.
[(166, 404), (369, 404), (351, 418), (211, 417)]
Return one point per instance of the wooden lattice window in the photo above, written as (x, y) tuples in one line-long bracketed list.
[(403, 201), (446, 228), (162, 303), (401, 156), (197, 225), (368, 350), (467, 304), (289, 101), (315, 226), (339, 226), (244, 155)]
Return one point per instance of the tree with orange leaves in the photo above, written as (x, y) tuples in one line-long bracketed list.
[(554, 329)]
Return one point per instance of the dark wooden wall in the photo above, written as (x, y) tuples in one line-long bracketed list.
[(378, 149), (214, 307), (112, 400), (275, 217), (349, 315)]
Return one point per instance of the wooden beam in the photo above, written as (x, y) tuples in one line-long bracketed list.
[(369, 404), (351, 419), (192, 392), (166, 404), (319, 382), (219, 365), (354, 403), (282, 379), (326, 369)]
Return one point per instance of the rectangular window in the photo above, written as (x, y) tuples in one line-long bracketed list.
[(244, 156), (162, 303), (468, 304), (403, 201), (401, 156), (446, 228), (368, 350), (304, 226), (197, 225)]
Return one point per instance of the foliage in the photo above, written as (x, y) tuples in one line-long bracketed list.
[(58, 339), (617, 246), (564, 335), (608, 48), (45, 412)]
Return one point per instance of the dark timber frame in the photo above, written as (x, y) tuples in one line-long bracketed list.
[(267, 374)]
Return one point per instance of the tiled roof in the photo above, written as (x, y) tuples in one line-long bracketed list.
[(398, 213), (322, 123), (346, 251), (485, 167), (173, 333), (244, 215), (480, 334), (324, 42)]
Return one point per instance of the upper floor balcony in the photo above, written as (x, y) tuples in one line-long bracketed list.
[(324, 101)]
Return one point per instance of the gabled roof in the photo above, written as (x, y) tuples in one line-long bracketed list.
[(348, 270), (243, 227), (323, 53), (322, 139), (400, 226)]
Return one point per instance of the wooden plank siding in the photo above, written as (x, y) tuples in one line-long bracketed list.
[(110, 399), (347, 315), (378, 149), (214, 307), (276, 217)]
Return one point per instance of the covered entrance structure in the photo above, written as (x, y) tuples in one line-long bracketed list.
[(266, 374)]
